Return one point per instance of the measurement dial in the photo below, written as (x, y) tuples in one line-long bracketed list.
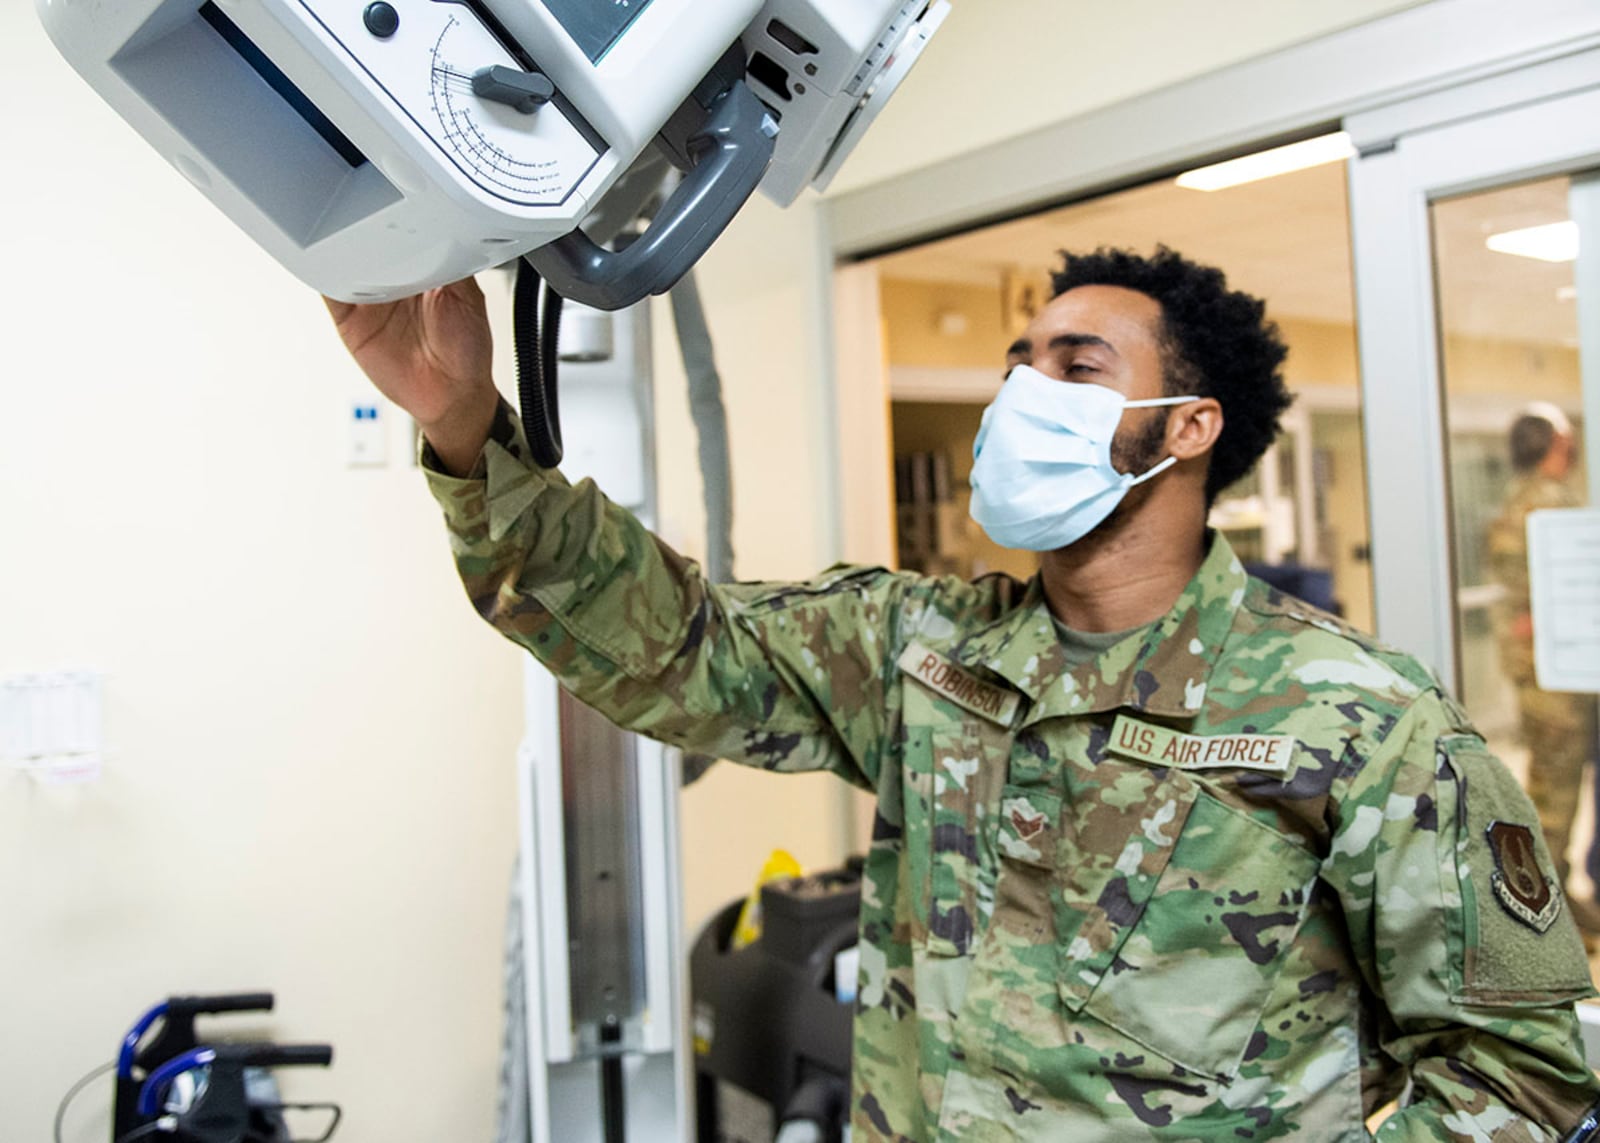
[(534, 157), (425, 65)]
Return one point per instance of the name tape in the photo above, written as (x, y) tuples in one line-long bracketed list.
[(1162, 747), (935, 671)]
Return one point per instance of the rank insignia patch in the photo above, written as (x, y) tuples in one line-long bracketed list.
[(1521, 885), (1028, 822), (1027, 838)]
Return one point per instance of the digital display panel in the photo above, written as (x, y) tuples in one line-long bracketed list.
[(596, 25)]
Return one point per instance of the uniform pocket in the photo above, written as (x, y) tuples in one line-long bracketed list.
[(955, 764), (1074, 878), (1027, 840), (1193, 975), (1112, 854)]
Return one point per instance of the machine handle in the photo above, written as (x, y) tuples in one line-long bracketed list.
[(230, 1002), (177, 1034), (277, 1055), (238, 1055), (732, 152)]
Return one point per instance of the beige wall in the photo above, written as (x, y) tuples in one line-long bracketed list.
[(1325, 355), (1322, 355), (311, 788), (912, 312), (1475, 365)]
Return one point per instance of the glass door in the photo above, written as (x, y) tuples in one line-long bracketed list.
[(1476, 220), (1504, 262), (1458, 336), (1504, 266)]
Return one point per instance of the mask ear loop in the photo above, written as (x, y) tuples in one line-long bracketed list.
[(1156, 471), (1153, 403)]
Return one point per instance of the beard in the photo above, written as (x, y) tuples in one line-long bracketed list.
[(1139, 450), (1136, 451)]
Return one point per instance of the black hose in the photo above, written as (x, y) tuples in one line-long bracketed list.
[(613, 1098), (537, 364), (550, 330)]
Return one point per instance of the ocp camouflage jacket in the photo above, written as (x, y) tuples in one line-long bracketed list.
[(1241, 877)]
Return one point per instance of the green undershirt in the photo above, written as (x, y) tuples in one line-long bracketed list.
[(1082, 647)]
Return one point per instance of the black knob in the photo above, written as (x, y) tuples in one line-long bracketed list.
[(527, 91), (381, 19)]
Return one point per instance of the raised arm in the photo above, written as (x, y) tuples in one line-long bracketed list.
[(784, 677)]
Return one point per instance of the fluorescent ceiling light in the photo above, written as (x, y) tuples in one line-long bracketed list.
[(1557, 242), (1267, 164)]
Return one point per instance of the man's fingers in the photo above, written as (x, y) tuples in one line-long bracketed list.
[(466, 290), (465, 295)]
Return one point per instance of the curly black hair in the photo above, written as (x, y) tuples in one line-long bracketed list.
[(1216, 342)]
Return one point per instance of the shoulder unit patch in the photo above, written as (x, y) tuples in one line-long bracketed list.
[(1521, 885)]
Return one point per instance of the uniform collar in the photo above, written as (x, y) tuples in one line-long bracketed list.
[(1161, 671)]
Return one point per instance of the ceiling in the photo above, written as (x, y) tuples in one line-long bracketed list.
[(1502, 295), (1287, 239)]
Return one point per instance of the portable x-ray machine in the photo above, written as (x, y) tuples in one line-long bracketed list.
[(377, 148)]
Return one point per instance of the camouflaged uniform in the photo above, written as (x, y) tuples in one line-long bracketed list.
[(1233, 880), (1558, 729)]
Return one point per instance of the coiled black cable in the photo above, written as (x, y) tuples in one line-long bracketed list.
[(537, 338), (550, 331)]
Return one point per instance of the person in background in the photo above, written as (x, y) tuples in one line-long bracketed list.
[(1160, 852), (1558, 729)]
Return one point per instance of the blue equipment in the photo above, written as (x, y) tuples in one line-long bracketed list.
[(173, 1085)]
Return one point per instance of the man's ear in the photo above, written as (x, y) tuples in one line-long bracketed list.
[(1193, 429)]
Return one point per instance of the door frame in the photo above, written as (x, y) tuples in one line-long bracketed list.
[(1541, 122)]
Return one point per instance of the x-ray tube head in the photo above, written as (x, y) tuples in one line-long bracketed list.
[(376, 150)]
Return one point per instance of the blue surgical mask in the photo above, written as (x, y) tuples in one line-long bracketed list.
[(1042, 477)]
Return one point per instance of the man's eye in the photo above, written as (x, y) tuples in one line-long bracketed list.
[(1080, 367)]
